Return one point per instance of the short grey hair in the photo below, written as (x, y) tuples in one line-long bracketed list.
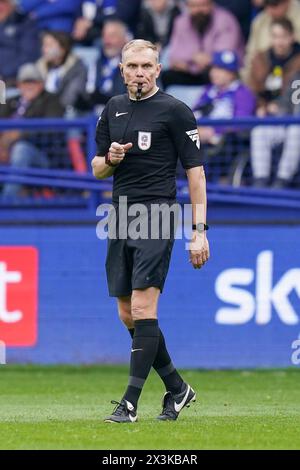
[(139, 45)]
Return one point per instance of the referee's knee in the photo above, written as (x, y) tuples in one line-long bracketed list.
[(124, 309), (143, 309), (126, 319)]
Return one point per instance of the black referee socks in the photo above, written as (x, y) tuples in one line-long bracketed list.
[(164, 366), (143, 352)]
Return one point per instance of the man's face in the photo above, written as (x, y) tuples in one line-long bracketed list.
[(278, 11), (158, 5), (201, 14), (281, 40), (6, 8), (140, 67), (113, 39), (196, 7), (30, 89)]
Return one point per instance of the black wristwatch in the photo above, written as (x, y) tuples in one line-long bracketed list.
[(200, 227)]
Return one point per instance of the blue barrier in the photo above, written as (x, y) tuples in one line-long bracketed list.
[(69, 179), (240, 310), (52, 177), (52, 124), (88, 124), (81, 182), (250, 121)]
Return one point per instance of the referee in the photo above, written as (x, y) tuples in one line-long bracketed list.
[(139, 138)]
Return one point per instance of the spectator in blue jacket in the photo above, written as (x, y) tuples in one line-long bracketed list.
[(19, 41), (87, 27), (57, 15), (108, 80)]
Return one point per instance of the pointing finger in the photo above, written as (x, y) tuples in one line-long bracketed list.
[(127, 147)]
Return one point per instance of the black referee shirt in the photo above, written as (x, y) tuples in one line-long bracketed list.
[(161, 129)]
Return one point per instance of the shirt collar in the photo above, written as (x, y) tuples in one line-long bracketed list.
[(147, 97)]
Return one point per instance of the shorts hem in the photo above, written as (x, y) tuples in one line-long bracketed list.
[(120, 294), (160, 286)]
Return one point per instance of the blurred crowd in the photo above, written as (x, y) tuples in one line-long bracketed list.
[(225, 58)]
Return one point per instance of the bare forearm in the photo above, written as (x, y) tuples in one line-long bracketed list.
[(197, 189), (199, 246), (100, 169)]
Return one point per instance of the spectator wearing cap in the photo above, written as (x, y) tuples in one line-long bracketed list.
[(271, 70), (64, 73), (19, 41), (225, 98), (21, 149), (260, 36), (201, 30)]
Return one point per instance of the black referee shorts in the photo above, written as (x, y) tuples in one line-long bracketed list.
[(138, 263)]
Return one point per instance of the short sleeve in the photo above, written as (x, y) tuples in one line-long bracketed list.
[(185, 135), (102, 133)]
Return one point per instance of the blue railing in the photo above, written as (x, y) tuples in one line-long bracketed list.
[(65, 179), (250, 121), (70, 180)]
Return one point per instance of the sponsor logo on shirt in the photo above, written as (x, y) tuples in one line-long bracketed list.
[(194, 136)]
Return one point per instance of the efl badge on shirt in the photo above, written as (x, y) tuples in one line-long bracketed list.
[(144, 140)]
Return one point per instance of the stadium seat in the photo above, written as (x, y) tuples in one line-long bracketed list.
[(188, 94)]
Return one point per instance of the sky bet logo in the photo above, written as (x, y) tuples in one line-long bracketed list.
[(18, 295), (231, 288)]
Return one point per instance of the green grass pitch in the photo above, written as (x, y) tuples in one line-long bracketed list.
[(64, 407)]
